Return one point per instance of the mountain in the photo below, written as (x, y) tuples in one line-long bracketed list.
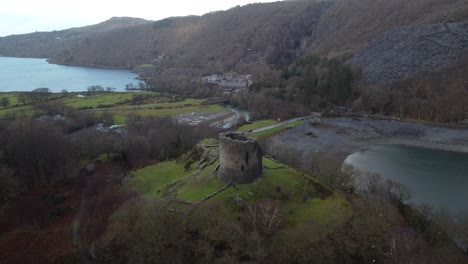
[(48, 44), (256, 37)]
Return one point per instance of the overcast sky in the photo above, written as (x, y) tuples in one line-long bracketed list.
[(25, 16)]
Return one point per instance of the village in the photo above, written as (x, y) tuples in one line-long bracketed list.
[(229, 82)]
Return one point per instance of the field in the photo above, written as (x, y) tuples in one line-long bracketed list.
[(12, 98), (121, 105)]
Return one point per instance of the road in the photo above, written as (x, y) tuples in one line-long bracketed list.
[(283, 123)]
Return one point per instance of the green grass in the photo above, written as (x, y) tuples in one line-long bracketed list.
[(107, 99), (120, 119), (12, 97), (91, 102), (118, 105), (22, 110), (257, 124), (287, 185), (161, 103), (14, 108), (331, 211), (309, 208), (274, 131), (153, 181), (199, 186)]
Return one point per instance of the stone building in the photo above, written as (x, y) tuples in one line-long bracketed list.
[(240, 158)]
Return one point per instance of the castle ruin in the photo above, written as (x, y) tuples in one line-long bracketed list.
[(240, 157)]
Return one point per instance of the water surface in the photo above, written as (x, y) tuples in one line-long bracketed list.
[(436, 177), (20, 74)]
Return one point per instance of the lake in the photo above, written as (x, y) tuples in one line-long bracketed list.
[(436, 177), (20, 74)]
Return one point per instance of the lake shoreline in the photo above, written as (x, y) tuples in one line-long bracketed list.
[(56, 77), (407, 133), (310, 145), (93, 66), (422, 144)]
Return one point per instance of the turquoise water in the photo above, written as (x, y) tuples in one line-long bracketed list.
[(436, 177), (19, 74)]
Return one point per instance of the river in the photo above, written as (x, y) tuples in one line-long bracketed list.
[(435, 177), (22, 74), (239, 115)]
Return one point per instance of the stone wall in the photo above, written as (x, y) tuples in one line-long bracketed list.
[(240, 157)]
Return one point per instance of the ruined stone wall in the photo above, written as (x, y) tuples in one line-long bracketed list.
[(240, 157)]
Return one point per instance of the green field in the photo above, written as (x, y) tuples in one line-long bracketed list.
[(109, 99), (12, 97), (120, 105)]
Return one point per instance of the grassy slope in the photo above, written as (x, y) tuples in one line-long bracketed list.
[(153, 181), (303, 198)]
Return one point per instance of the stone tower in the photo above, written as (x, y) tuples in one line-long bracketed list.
[(240, 157)]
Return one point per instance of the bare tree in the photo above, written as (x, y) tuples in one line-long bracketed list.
[(348, 178), (462, 219), (396, 192), (37, 152), (371, 182), (265, 216), (405, 246), (9, 187)]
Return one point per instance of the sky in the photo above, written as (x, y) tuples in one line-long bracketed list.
[(26, 16)]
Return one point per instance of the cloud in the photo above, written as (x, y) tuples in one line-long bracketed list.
[(25, 16)]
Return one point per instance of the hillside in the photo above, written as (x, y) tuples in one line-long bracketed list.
[(350, 25), (403, 52), (218, 41), (48, 44), (252, 38)]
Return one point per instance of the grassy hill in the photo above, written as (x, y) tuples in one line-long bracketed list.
[(191, 184)]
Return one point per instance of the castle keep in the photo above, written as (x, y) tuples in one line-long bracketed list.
[(240, 157)]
